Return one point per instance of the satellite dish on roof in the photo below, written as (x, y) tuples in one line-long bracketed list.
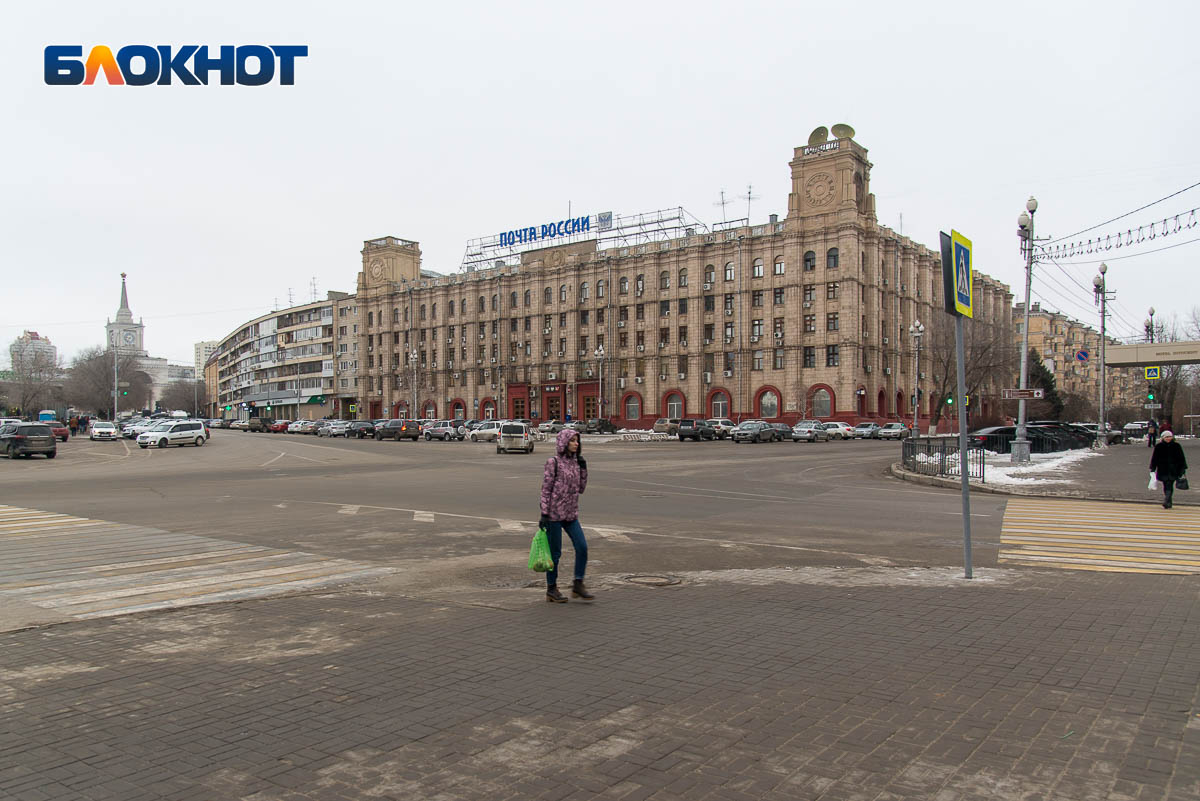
[(818, 137), (843, 131)]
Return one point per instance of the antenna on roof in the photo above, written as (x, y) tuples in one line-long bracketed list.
[(723, 203), (749, 197), (313, 287), (290, 301)]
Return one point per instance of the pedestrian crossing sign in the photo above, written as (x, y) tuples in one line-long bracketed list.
[(960, 248), (1152, 373)]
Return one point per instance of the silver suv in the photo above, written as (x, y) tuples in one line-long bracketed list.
[(184, 432)]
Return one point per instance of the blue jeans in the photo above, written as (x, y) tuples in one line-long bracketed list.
[(554, 530)]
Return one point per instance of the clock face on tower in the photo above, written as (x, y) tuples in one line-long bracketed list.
[(376, 270), (819, 189), (129, 337)]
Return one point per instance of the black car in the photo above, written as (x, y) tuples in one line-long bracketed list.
[(783, 432), (360, 429), (999, 439), (695, 429), (23, 439), (599, 425), (398, 430)]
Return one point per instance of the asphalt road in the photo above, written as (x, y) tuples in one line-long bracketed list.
[(451, 514)]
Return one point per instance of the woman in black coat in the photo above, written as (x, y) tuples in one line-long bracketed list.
[(1168, 464)]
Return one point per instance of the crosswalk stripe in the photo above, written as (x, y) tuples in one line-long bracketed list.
[(1097, 535), (87, 568)]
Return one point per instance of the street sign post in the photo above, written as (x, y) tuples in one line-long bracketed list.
[(1022, 394), (957, 280), (1153, 373), (1082, 355)]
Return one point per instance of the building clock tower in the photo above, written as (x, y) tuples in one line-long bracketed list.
[(123, 333)]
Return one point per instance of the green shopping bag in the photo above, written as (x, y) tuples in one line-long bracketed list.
[(539, 553)]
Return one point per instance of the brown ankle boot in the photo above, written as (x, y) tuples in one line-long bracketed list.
[(554, 596), (580, 591)]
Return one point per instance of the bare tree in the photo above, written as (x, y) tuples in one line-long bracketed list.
[(990, 362), (186, 395), (90, 382), (36, 379)]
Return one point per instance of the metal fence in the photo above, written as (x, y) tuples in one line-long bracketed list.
[(940, 457)]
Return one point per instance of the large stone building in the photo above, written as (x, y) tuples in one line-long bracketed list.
[(805, 316), (128, 337)]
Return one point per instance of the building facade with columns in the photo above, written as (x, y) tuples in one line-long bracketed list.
[(804, 316)]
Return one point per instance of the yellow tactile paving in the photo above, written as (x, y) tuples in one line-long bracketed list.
[(1097, 535)]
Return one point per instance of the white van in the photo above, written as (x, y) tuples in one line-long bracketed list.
[(188, 432), (514, 437)]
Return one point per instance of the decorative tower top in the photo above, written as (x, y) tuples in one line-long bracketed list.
[(124, 315)]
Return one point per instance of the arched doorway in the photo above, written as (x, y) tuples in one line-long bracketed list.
[(631, 406), (900, 404), (882, 404), (822, 403), (458, 409), (861, 395), (673, 405), (488, 409), (767, 403), (718, 404), (429, 410)]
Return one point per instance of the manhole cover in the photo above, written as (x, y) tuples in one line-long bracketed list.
[(653, 581)]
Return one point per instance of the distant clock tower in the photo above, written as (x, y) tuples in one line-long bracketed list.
[(123, 333)]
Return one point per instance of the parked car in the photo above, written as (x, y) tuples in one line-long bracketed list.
[(102, 429), (25, 439), (487, 431), (839, 430), (184, 432), (259, 424), (696, 429), (398, 430), (296, 427), (722, 426), (599, 425), (318, 426), (1113, 437), (360, 429), (665, 425), (550, 427), (59, 429), (279, 426), (575, 425), (240, 425), (336, 428), (893, 431), (444, 430), (753, 431), (514, 437), (866, 430), (225, 424), (809, 431), (783, 431), (1000, 438)]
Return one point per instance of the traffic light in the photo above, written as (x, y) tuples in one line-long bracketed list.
[(950, 401), (268, 407), (1150, 395), (124, 392)]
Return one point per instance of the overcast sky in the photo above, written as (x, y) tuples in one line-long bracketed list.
[(445, 122)]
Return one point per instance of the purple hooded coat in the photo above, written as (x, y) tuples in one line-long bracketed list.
[(563, 481)]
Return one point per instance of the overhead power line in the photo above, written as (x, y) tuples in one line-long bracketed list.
[(1123, 216)]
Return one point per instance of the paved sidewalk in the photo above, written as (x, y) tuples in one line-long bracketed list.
[(872, 683), (1118, 473)]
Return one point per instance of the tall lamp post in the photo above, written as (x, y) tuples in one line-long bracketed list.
[(1020, 445), (916, 331), (1100, 286), (1150, 327), (600, 362), (412, 380)]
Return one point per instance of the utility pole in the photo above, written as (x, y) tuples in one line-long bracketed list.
[(1020, 445), (1101, 289)]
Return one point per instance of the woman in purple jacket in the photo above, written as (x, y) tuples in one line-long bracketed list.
[(563, 481)]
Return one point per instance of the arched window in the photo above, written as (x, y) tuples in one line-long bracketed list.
[(450, 310), (422, 317), (406, 314), (633, 408), (584, 292), (728, 271), (710, 274), (640, 283), (664, 280), (512, 300), (548, 297), (768, 404), (433, 311), (683, 277), (430, 410), (720, 405), (528, 297), (623, 287), (821, 403), (495, 303), (482, 304), (831, 259), (758, 268), (562, 294), (600, 288), (779, 265), (458, 410), (810, 261), (674, 405)]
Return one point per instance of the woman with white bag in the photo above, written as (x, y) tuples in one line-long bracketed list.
[(1168, 465)]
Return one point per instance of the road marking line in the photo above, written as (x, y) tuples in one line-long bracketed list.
[(423, 517), (277, 458), (348, 509), (512, 525)]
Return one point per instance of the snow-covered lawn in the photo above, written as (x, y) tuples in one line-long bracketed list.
[(1043, 468)]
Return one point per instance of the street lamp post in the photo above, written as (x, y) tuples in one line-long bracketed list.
[(1020, 445), (1150, 327), (1101, 290), (916, 331), (600, 362), (412, 379)]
